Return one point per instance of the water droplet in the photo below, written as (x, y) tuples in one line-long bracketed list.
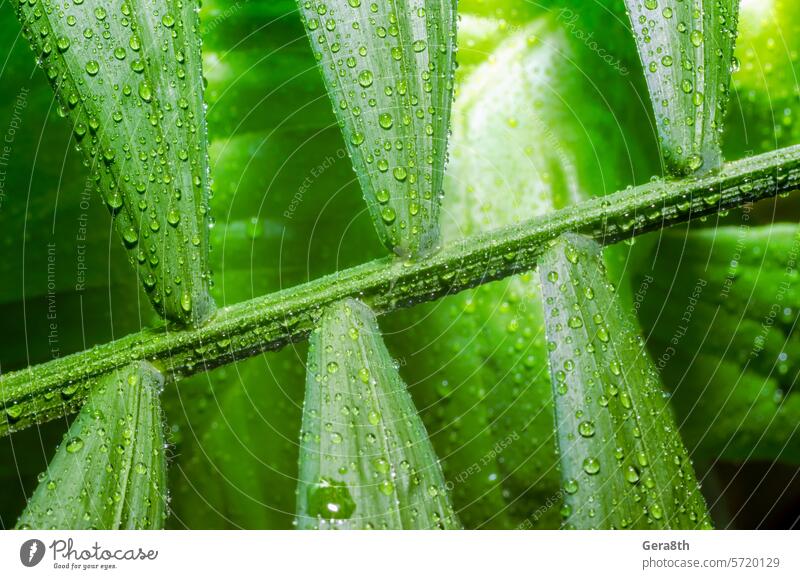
[(330, 499), (571, 486), (388, 215), (365, 78), (130, 237), (14, 412), (186, 302), (381, 465), (586, 428), (374, 418), (571, 253), (386, 121), (656, 511), (591, 465), (386, 487), (575, 322), (74, 444), (173, 217), (145, 92)]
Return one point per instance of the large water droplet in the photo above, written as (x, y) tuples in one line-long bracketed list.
[(331, 499)]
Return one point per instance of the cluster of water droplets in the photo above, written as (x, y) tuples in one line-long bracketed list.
[(389, 73), (623, 463), (110, 470), (128, 76), (365, 461), (686, 50)]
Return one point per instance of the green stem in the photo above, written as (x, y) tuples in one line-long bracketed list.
[(46, 391)]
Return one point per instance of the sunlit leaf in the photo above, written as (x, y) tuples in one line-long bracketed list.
[(129, 78), (765, 114), (110, 470), (687, 54), (623, 463), (477, 362), (388, 68), (365, 458)]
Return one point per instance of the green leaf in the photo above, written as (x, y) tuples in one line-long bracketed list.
[(43, 189), (50, 213), (476, 362), (686, 50), (722, 323), (622, 460), (271, 128), (56, 244), (365, 458), (388, 68), (130, 80), (110, 470)]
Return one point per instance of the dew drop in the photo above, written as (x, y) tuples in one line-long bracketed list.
[(374, 418), (186, 302), (74, 445), (386, 121), (591, 465), (586, 429), (145, 92), (365, 78), (330, 499), (386, 487), (388, 215), (631, 474)]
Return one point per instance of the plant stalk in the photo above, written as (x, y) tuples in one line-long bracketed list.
[(48, 390)]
